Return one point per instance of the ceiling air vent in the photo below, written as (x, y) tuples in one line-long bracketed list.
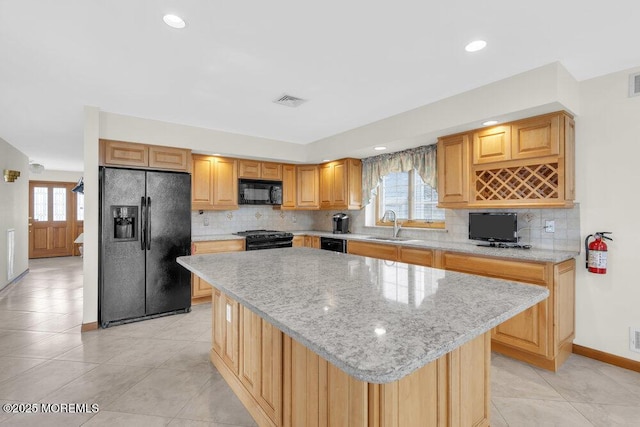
[(290, 101), (634, 84)]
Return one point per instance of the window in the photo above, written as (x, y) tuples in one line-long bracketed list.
[(413, 201), (79, 207)]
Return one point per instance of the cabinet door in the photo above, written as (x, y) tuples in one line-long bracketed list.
[(492, 145), (312, 242), (529, 329), (288, 186), (326, 185), (354, 184), (177, 159), (217, 246), (261, 363), (373, 250), (202, 182), (453, 169), (340, 185), (225, 330), (249, 169), (232, 323), (199, 288), (416, 256), (298, 241), (308, 187), (271, 171), (535, 137), (125, 154), (225, 184)]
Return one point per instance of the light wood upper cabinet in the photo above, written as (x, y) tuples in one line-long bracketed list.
[(252, 169), (453, 170), (492, 145), (169, 158), (129, 154), (214, 184), (526, 163), (535, 137), (341, 184), (288, 187), (308, 187)]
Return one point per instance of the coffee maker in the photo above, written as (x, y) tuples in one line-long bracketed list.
[(340, 223)]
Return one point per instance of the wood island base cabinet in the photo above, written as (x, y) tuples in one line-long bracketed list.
[(284, 384)]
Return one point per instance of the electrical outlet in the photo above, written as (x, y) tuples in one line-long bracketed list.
[(634, 339), (550, 226), (205, 220)]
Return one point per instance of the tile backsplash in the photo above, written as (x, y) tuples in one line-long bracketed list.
[(250, 218), (530, 222)]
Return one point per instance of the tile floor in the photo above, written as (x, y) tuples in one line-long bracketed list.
[(157, 372)]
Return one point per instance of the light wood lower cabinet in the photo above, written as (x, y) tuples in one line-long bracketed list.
[(543, 334), (225, 329), (373, 250), (201, 290), (284, 384), (312, 242), (261, 363), (298, 241)]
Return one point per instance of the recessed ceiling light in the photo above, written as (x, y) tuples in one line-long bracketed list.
[(380, 148), (173, 21), (490, 123), (326, 160), (475, 46)]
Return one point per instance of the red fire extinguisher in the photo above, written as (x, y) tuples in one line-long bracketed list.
[(596, 252)]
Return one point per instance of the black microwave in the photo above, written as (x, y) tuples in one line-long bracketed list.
[(254, 192)]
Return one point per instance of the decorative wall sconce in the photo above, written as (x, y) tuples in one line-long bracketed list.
[(10, 176)]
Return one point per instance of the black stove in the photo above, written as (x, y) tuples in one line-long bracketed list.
[(266, 239)]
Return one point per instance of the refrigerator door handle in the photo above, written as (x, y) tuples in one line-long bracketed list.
[(143, 225), (148, 223)]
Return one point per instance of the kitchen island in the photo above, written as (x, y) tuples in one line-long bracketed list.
[(307, 337)]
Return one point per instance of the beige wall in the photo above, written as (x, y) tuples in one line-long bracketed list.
[(14, 211), (56, 176), (607, 173), (541, 90)]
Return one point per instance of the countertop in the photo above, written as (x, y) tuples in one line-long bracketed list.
[(376, 320), (540, 255)]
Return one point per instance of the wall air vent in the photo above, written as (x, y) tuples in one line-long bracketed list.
[(634, 84), (634, 339), (289, 101)]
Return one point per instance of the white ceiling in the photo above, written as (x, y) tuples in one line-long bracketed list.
[(355, 61)]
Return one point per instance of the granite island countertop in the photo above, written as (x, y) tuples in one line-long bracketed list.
[(376, 320)]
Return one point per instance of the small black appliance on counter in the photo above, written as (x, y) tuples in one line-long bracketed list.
[(340, 223)]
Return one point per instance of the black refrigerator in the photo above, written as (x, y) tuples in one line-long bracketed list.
[(145, 224)]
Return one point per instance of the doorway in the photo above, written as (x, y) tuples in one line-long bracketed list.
[(56, 218)]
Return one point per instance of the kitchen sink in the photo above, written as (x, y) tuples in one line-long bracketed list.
[(390, 239)]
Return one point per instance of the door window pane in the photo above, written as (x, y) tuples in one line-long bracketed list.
[(59, 204), (80, 205), (41, 203)]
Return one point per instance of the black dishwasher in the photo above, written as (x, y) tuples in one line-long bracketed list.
[(332, 244)]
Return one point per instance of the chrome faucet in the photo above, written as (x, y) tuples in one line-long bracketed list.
[(396, 227)]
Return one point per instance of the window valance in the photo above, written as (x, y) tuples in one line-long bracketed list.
[(422, 159)]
